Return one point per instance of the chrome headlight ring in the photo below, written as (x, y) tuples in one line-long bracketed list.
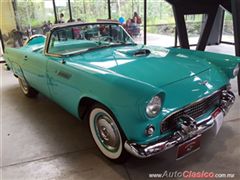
[(154, 106)]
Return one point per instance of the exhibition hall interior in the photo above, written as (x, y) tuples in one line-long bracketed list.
[(119, 89)]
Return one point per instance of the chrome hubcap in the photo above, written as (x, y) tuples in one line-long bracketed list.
[(107, 132)]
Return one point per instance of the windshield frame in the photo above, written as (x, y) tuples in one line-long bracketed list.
[(62, 26)]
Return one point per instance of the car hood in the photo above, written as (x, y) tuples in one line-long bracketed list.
[(152, 65)]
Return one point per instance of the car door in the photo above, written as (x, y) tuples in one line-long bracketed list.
[(63, 83), (34, 69)]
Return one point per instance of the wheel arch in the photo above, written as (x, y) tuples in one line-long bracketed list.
[(85, 105)]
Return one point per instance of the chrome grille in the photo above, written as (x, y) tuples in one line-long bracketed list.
[(194, 110)]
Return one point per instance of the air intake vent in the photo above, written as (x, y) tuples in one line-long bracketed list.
[(142, 52)]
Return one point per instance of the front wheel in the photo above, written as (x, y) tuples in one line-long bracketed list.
[(26, 89), (107, 134)]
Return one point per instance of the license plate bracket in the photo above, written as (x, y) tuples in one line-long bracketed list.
[(188, 147), (218, 117)]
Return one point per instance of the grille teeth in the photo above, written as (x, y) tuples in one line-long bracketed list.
[(195, 110)]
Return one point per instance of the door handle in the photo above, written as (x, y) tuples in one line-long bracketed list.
[(25, 58)]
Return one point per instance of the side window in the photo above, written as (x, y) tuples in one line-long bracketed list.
[(57, 38), (52, 43)]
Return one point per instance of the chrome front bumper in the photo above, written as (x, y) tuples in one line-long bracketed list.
[(185, 133)]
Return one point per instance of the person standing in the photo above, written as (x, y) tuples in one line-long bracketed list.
[(61, 19), (136, 18)]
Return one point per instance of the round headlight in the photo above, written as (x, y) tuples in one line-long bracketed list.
[(154, 107), (236, 70)]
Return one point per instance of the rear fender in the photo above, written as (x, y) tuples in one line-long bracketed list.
[(223, 62), (17, 70), (226, 63)]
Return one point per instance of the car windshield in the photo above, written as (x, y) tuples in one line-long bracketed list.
[(83, 38)]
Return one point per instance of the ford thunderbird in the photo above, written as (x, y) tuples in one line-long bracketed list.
[(138, 99)]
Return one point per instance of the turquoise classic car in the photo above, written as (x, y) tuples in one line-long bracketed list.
[(140, 100)]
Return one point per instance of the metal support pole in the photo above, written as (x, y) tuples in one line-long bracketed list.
[(215, 35), (55, 11), (2, 42), (203, 40), (181, 27), (70, 11), (14, 5), (236, 26), (109, 9), (222, 23), (175, 37), (145, 23)]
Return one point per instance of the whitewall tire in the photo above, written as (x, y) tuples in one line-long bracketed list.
[(107, 134), (26, 89)]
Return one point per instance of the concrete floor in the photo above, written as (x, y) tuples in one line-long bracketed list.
[(40, 140)]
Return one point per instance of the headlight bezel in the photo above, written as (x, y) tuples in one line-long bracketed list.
[(154, 106)]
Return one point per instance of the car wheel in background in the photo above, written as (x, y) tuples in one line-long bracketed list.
[(26, 89)]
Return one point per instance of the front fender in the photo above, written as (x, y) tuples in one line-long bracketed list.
[(125, 97)]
